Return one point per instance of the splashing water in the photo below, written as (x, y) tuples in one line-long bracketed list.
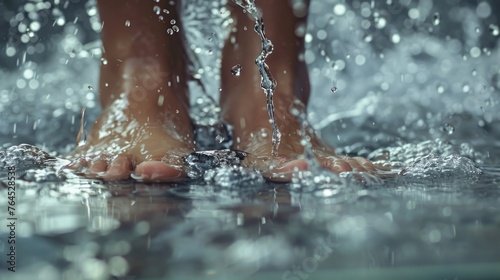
[(267, 82)]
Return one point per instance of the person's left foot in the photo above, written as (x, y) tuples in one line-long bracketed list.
[(144, 130)]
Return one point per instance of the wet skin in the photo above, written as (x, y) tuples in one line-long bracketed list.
[(145, 130)]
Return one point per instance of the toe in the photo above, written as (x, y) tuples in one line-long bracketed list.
[(285, 171), (366, 164), (119, 168), (157, 171), (355, 165), (73, 165), (335, 164), (98, 166), (383, 166)]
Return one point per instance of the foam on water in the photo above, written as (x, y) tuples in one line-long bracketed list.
[(434, 167), (24, 157)]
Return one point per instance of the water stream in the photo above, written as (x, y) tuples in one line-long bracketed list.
[(267, 82)]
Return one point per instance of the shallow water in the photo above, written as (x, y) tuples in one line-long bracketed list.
[(417, 85)]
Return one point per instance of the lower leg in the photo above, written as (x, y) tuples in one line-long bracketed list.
[(143, 93)]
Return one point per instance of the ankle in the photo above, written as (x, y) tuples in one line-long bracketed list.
[(142, 80)]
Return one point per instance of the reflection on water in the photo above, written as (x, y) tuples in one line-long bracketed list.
[(416, 85), (83, 229)]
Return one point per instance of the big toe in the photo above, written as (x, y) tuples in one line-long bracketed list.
[(284, 172), (157, 171)]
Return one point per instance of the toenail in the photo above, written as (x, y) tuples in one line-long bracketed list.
[(113, 172), (159, 176), (135, 176)]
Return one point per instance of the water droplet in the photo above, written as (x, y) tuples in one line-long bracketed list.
[(396, 38), (91, 9), (104, 61), (219, 138), (466, 88), (334, 89), (127, 23), (166, 11), (91, 88), (236, 70), (170, 31), (263, 133), (339, 9), (448, 128), (436, 20), (495, 31), (440, 89), (475, 52), (175, 28), (157, 10), (478, 30), (172, 21)]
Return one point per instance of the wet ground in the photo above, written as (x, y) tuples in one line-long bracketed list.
[(412, 83), (428, 224)]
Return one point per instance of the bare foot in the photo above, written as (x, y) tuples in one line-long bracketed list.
[(243, 102), (144, 129), (142, 132)]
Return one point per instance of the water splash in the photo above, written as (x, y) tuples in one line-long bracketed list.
[(81, 137), (322, 182), (436, 19), (236, 70), (267, 81), (211, 131), (199, 162), (24, 157), (233, 177), (435, 167)]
